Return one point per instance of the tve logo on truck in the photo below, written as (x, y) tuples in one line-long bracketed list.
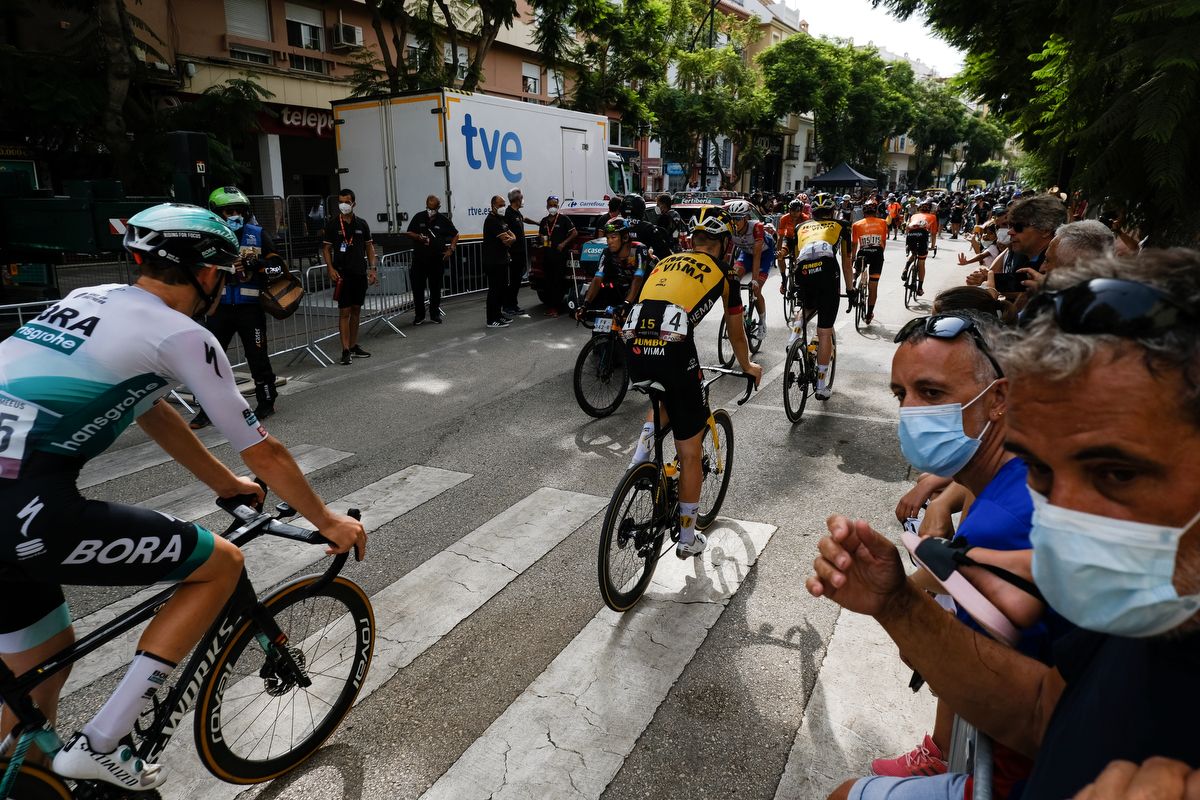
[(466, 148)]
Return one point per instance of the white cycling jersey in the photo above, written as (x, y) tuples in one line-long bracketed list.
[(74, 378)]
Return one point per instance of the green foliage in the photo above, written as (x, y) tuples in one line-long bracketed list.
[(989, 171), (1102, 96), (369, 76), (941, 124)]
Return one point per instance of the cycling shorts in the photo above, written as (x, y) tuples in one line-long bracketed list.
[(51, 535), (873, 259), (917, 243), (677, 367), (765, 262), (819, 283)]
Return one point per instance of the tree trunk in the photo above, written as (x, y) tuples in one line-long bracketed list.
[(389, 65), (452, 33), (113, 31), (399, 39), (488, 32)]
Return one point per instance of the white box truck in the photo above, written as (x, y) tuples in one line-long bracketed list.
[(465, 148)]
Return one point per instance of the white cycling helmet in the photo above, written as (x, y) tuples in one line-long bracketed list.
[(738, 209), (845, 198)]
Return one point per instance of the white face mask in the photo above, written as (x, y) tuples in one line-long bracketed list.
[(345, 208), (551, 210), (1108, 575), (1002, 235)]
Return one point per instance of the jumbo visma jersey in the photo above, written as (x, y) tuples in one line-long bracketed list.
[(820, 238), (73, 379), (692, 282)]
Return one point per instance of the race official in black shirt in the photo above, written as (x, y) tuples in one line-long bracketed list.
[(350, 259), (518, 253), (555, 234), (498, 240), (669, 224), (434, 239)]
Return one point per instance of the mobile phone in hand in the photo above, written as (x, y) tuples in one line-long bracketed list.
[(1009, 282)]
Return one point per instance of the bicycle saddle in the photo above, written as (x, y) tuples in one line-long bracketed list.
[(645, 387)]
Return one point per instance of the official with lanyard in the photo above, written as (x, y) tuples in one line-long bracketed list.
[(350, 259), (555, 234)]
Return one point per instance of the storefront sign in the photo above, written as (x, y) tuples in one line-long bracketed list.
[(674, 168), (297, 121)]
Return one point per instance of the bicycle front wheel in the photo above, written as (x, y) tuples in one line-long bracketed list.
[(35, 783), (631, 537), (716, 465), (601, 376), (751, 320), (254, 721), (795, 381), (725, 353)]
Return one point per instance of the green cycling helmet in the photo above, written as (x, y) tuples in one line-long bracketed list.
[(184, 236), (226, 196)]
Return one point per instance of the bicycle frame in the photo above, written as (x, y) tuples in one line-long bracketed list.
[(33, 727)]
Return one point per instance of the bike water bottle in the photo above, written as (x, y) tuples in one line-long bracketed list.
[(671, 470)]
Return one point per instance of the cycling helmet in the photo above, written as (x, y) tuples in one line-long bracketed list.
[(845, 198), (634, 206), (822, 200), (619, 226), (713, 221), (175, 234), (738, 209), (926, 205), (998, 210), (795, 205), (870, 207), (227, 197)]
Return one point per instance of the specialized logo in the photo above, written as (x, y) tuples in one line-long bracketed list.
[(27, 514), (126, 551), (210, 357)]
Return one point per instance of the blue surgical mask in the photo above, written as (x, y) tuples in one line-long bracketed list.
[(1108, 575), (234, 223), (933, 440)]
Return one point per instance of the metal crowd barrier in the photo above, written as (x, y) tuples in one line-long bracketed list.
[(971, 752)]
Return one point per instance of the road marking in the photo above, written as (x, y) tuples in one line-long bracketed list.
[(128, 460), (567, 735), (194, 500), (415, 612), (270, 560)]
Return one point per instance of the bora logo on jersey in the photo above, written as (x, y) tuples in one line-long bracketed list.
[(59, 328)]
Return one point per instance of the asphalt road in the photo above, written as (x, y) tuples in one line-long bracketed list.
[(497, 406)]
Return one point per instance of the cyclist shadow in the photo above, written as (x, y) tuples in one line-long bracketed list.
[(347, 761), (856, 449), (612, 438)]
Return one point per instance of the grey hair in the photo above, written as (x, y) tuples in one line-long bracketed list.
[(1042, 351), (1042, 211), (1089, 238), (988, 326), (513, 194)]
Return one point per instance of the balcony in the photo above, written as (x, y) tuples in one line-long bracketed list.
[(793, 152), (810, 154)]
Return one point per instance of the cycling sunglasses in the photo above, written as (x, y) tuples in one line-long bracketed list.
[(1112, 306), (949, 326)]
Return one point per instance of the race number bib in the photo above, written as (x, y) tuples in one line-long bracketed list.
[(16, 421), (814, 250), (629, 329), (870, 240), (674, 326)]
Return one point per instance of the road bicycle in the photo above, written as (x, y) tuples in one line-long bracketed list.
[(800, 366), (750, 319), (601, 376), (861, 294), (269, 682), (645, 506), (911, 280)]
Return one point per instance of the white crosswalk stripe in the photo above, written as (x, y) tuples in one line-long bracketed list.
[(128, 460)]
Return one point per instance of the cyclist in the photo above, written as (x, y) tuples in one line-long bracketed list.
[(895, 215), (916, 244), (910, 208), (70, 382), (660, 334), (846, 209), (622, 268), (239, 310), (754, 252), (819, 243), (868, 239)]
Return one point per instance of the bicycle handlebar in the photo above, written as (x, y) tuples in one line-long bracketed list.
[(248, 519), (750, 387)]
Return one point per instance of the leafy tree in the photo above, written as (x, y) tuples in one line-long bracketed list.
[(1101, 95), (937, 128), (983, 138)]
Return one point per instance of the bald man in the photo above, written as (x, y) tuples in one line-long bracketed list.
[(434, 239)]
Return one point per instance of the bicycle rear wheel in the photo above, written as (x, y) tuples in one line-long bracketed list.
[(631, 537), (750, 319), (254, 722), (35, 783), (716, 466), (910, 284), (601, 376), (725, 353), (796, 386)]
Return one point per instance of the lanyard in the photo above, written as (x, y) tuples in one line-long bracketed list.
[(348, 240), (550, 233)]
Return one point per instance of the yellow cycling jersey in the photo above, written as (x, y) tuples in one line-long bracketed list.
[(693, 282), (820, 238)]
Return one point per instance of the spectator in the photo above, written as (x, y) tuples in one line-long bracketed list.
[(614, 211), (240, 311), (555, 234), (669, 223), (497, 240), (1103, 407), (349, 254), (1032, 223), (1072, 242), (434, 239), (517, 252)]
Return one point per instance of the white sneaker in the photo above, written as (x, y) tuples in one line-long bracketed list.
[(761, 333), (695, 548), (823, 393), (120, 767)]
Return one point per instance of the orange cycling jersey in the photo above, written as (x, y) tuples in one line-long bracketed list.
[(931, 221), (869, 233), (894, 211)]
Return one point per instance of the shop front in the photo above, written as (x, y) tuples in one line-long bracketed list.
[(294, 152)]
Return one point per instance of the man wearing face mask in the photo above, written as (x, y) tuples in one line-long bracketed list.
[(350, 259), (518, 262), (434, 239), (240, 311), (555, 234), (498, 240), (1103, 409)]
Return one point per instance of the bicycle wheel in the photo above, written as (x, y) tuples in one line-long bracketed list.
[(910, 284), (796, 387), (750, 319), (725, 353), (716, 465), (253, 721), (601, 376), (631, 537), (35, 783), (832, 364)]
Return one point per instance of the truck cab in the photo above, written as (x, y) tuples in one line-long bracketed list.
[(620, 179)]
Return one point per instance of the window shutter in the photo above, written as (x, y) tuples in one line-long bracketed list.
[(309, 16), (248, 19)]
